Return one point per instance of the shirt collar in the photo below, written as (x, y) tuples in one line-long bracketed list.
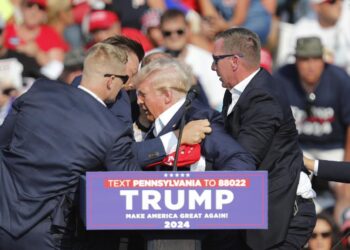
[(92, 94), (166, 116), (240, 87)]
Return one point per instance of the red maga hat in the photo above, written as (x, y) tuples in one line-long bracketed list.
[(102, 19)]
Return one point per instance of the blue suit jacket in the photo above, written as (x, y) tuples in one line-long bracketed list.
[(146, 152), (57, 133), (220, 150)]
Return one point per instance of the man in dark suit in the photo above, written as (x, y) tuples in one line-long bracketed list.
[(60, 132), (259, 117), (162, 86)]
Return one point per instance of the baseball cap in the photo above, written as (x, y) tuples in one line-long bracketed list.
[(309, 47), (101, 19), (188, 155), (40, 2)]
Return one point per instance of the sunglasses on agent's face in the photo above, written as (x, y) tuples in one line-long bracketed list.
[(124, 78), (216, 59), (31, 4), (167, 33), (323, 235)]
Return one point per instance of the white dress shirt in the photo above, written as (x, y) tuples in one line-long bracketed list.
[(316, 167), (170, 142), (238, 89)]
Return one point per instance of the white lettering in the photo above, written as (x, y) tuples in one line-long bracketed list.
[(150, 198), (180, 200), (199, 199), (128, 197), (223, 197)]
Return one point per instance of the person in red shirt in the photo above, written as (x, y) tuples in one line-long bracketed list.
[(32, 37)]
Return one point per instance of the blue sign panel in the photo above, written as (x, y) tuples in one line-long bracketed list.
[(176, 200)]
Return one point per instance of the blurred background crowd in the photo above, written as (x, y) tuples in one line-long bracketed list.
[(306, 46)]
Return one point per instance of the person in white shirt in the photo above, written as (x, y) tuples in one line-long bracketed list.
[(176, 35)]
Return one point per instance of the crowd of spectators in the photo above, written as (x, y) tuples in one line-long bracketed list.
[(48, 38)]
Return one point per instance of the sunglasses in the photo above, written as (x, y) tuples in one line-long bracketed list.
[(40, 7), (323, 235), (216, 59), (167, 33), (330, 1), (124, 78)]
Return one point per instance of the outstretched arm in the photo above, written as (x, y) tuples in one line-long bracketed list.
[(154, 150)]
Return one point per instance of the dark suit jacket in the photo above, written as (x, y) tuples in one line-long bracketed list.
[(146, 152), (221, 151), (59, 132), (334, 171), (262, 122)]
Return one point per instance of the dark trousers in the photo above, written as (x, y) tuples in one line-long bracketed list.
[(42, 236), (301, 225), (299, 231), (224, 240)]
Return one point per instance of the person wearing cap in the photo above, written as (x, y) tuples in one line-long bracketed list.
[(150, 21), (329, 20), (318, 95), (102, 24), (317, 92)]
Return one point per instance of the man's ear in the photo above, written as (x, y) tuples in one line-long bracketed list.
[(234, 63), (168, 95), (109, 83)]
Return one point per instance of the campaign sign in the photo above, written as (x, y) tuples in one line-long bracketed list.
[(176, 200)]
